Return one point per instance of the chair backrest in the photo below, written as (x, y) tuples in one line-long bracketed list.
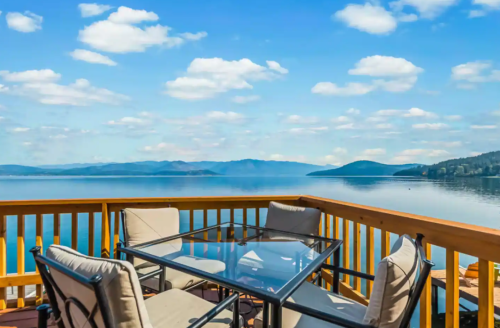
[(91, 292), (396, 288), (303, 220)]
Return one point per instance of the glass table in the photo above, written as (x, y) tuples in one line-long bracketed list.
[(265, 263)]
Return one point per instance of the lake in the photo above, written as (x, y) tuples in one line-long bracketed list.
[(468, 200)]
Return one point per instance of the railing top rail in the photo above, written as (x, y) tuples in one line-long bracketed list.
[(148, 200)]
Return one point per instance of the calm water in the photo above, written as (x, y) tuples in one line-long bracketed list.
[(475, 201)]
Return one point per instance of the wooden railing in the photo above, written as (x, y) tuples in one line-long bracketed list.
[(354, 224)]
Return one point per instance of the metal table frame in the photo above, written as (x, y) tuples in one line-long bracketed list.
[(276, 300)]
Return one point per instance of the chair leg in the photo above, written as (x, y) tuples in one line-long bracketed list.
[(43, 315)]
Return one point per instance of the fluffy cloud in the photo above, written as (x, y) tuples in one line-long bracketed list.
[(368, 18), (118, 33), (26, 23), (453, 117), (313, 130), (475, 72), (427, 8), (194, 36), (486, 6), (416, 155), (92, 9), (207, 77), (483, 127), (280, 157), (430, 126), (275, 66), (226, 117), (353, 111), (130, 121), (41, 86), (401, 75), (91, 57), (244, 99), (349, 126), (340, 119), (410, 113), (297, 119), (20, 130), (170, 150)]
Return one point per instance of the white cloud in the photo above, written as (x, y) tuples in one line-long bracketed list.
[(350, 89), (92, 9), (488, 3), (118, 34), (477, 13), (170, 150), (92, 57), (349, 126), (280, 157), (58, 137), (245, 99), (430, 126), (410, 113), (340, 151), (417, 112), (130, 121), (486, 6), (375, 119), (368, 18), (3, 88), (226, 117), (275, 66), (314, 130), (32, 76), (20, 130), (297, 119), (386, 66), (374, 152), (40, 85), (401, 73), (475, 72), (453, 117), (341, 119), (416, 155), (207, 77), (427, 8), (496, 113), (407, 18), (483, 127), (353, 111), (26, 23), (194, 36), (389, 112)]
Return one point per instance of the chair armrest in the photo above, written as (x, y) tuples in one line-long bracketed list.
[(203, 320), (324, 316), (347, 271)]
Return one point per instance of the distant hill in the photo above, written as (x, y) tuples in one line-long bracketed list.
[(487, 164), (140, 168), (254, 167), (361, 168)]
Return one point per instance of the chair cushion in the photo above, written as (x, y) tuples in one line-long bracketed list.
[(395, 275), (120, 283), (143, 225), (320, 299), (177, 279), (177, 308), (296, 219)]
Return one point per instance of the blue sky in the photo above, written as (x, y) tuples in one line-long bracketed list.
[(324, 82)]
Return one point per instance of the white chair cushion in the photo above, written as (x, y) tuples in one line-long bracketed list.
[(179, 309), (177, 279), (120, 283), (143, 225), (320, 299), (296, 219), (395, 276)]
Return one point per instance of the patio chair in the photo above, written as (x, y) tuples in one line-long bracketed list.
[(143, 225), (84, 291), (395, 294)]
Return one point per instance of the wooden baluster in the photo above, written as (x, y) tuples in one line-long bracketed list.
[(91, 233), (191, 220), (370, 258), (21, 219), (231, 215), (357, 255), (386, 243), (426, 297), (257, 217), (3, 259), (336, 229), (57, 228), (116, 235), (327, 234), (205, 218), (39, 242), (74, 231), (105, 232), (205, 233), (452, 314), (320, 229), (486, 294), (245, 232), (345, 251), (219, 216)]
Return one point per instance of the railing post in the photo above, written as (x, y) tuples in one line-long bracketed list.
[(91, 233), (385, 236), (74, 231), (346, 254), (257, 217), (105, 232), (39, 242), (426, 297), (3, 259), (370, 258), (21, 219), (357, 255), (486, 294), (452, 310), (57, 228), (116, 235)]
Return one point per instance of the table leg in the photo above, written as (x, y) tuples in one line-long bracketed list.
[(276, 316), (265, 315), (161, 287), (336, 274), (220, 290)]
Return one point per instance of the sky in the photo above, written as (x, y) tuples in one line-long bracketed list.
[(324, 82)]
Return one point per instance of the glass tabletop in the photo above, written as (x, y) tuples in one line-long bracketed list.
[(263, 260)]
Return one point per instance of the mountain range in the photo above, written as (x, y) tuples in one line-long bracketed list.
[(246, 167), (363, 168)]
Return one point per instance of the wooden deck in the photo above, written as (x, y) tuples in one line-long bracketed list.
[(470, 294), (27, 317)]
